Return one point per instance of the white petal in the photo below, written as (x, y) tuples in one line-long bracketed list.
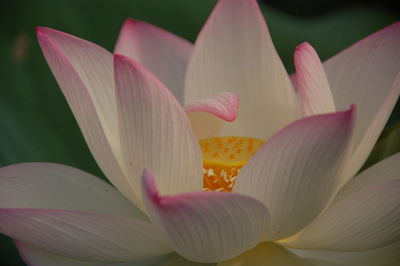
[(83, 235), (367, 74), (366, 219), (295, 173), (362, 151), (34, 256), (163, 53), (207, 116), (314, 91), (205, 226), (383, 171), (155, 131), (266, 254), (234, 52), (84, 72), (384, 256), (55, 186)]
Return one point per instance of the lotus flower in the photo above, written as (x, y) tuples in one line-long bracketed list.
[(269, 183)]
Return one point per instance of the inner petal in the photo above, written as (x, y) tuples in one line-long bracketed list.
[(222, 159)]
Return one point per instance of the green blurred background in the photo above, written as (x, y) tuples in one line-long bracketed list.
[(35, 121)]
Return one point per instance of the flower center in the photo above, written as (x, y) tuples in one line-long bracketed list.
[(222, 159)]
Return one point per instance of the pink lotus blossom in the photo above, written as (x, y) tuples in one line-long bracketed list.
[(297, 201)]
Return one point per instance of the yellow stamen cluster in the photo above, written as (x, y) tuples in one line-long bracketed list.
[(223, 157)]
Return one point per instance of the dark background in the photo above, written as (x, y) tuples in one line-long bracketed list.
[(35, 121)]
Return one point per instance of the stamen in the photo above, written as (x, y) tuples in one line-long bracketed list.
[(223, 157)]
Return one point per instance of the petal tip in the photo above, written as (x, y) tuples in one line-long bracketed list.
[(303, 45), (131, 23), (303, 50), (120, 59), (41, 32), (352, 111)]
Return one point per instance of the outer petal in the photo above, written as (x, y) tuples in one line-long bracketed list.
[(367, 74), (295, 172), (384, 256), (313, 87), (84, 72), (155, 131), (83, 235), (366, 219), (163, 53), (234, 52), (34, 256), (206, 226), (266, 254), (54, 186), (385, 170), (207, 116)]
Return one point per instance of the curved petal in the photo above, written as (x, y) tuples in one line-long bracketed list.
[(223, 105), (207, 116), (383, 171), (83, 235), (362, 151), (367, 74), (234, 52), (163, 53), (384, 256), (295, 173), (205, 226), (155, 131), (313, 87), (366, 219), (84, 72), (266, 254), (55, 186), (34, 256)]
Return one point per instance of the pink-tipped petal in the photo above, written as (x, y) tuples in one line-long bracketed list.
[(160, 51), (313, 87), (55, 186), (223, 105), (91, 64), (295, 172), (366, 219), (84, 73), (83, 236), (234, 52), (155, 131), (205, 226), (207, 116), (34, 256), (367, 74)]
